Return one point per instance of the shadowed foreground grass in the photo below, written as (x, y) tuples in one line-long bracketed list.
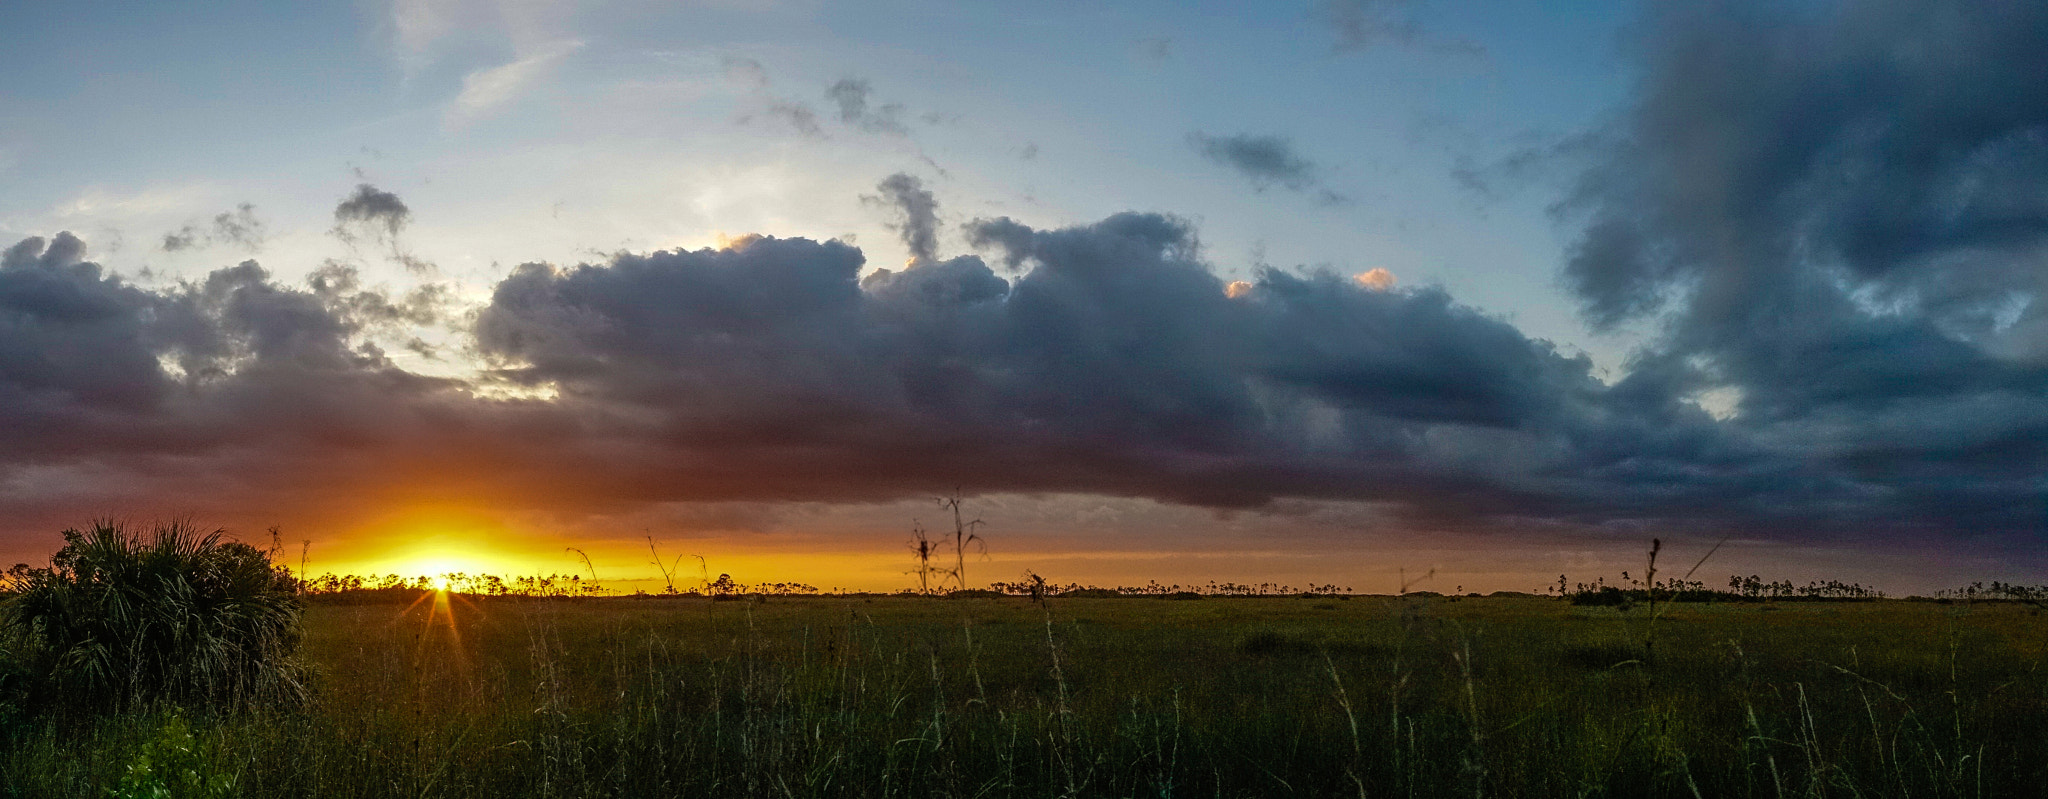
[(1130, 697)]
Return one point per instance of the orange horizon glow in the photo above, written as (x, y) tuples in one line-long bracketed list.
[(435, 542), (626, 566)]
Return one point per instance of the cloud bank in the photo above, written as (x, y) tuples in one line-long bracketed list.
[(1835, 221)]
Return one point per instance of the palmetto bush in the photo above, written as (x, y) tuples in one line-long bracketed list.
[(122, 619)]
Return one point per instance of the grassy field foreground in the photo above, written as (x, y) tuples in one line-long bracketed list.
[(1107, 697)]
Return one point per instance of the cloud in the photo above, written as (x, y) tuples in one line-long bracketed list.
[(1840, 216), (1358, 24), (199, 387), (920, 213), (1011, 237), (745, 72), (1553, 160), (1266, 161), (379, 217), (239, 228), (484, 90), (423, 31), (1376, 279), (1830, 221), (851, 96), (750, 74), (1116, 364), (851, 102), (797, 116), (373, 210), (1362, 24)]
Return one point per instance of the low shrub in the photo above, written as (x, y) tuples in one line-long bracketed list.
[(125, 619)]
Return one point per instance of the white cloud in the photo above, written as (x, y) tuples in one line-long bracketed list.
[(486, 89), (424, 30)]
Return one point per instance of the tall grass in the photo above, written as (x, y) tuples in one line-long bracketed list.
[(918, 697)]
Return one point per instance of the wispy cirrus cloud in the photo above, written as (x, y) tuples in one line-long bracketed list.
[(485, 90)]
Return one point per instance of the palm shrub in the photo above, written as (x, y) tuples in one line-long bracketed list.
[(125, 619)]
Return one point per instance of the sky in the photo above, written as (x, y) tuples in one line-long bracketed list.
[(1338, 291)]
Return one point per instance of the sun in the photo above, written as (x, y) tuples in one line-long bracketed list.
[(438, 565)]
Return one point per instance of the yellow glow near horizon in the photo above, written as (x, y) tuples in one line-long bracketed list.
[(436, 564)]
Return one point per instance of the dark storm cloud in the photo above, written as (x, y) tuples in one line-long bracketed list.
[(74, 343), (239, 228), (1115, 362), (1004, 234), (238, 395), (919, 226), (1842, 215), (1266, 161), (191, 384), (1903, 143)]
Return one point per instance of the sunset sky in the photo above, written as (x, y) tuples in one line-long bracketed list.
[(1322, 291)]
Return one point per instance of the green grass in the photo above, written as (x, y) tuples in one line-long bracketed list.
[(1109, 697)]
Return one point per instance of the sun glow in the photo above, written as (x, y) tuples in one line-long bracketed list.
[(441, 566)]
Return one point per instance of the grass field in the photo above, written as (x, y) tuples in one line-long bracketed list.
[(1374, 696)]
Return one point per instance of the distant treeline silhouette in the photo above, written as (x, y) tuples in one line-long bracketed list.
[(394, 587), (1995, 592), (1740, 589), (1154, 588), (532, 586), (371, 587)]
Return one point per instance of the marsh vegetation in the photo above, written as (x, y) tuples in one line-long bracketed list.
[(450, 695)]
